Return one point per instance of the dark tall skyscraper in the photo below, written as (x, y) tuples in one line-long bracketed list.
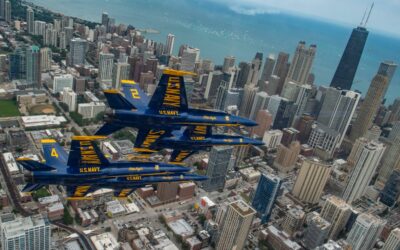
[(348, 64), (391, 193), (33, 74), (17, 59), (266, 194)]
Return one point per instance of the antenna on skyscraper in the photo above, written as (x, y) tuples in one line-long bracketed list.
[(362, 20), (369, 14)]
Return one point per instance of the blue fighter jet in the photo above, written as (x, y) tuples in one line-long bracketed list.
[(86, 169), (168, 107), (185, 142)]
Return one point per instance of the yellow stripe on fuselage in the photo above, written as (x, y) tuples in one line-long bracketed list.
[(173, 72), (87, 137)]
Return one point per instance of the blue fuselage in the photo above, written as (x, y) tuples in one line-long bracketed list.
[(162, 118)]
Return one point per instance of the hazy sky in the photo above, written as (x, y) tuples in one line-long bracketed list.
[(385, 15)]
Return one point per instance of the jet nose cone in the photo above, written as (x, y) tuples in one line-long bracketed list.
[(254, 142)]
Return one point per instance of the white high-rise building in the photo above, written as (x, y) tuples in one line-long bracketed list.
[(169, 46), (120, 72), (366, 156), (90, 110), (39, 28), (261, 101), (235, 225), (365, 232), (229, 63), (62, 81), (337, 212), (106, 64), (393, 241), (77, 52), (272, 138), (26, 233), (69, 97), (45, 59), (189, 57), (311, 180)]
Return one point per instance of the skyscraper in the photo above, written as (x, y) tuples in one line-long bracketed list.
[(32, 233), (7, 11), (120, 72), (167, 191), (390, 194), (311, 180), (293, 220), (337, 110), (106, 63), (69, 97), (217, 168), (17, 64), (267, 71), (77, 52), (337, 212), (365, 231), (189, 58), (254, 72), (235, 226), (2, 9), (250, 91), (104, 19), (346, 70), (366, 156), (45, 59), (265, 195), (281, 70), (260, 102), (169, 45), (301, 64), (391, 157), (33, 74), (369, 107), (317, 230), (393, 241), (387, 68), (286, 157), (30, 19), (282, 111), (229, 62)]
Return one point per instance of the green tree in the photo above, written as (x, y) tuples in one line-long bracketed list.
[(64, 106), (67, 218)]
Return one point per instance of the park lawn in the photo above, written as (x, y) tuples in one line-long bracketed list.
[(8, 108)]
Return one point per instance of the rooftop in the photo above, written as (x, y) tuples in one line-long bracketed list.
[(242, 208)]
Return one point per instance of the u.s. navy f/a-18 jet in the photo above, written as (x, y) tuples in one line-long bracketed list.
[(167, 107), (185, 142), (86, 169)]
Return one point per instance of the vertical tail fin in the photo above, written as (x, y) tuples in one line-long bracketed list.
[(178, 156), (84, 151), (170, 94), (134, 94), (54, 154), (198, 131)]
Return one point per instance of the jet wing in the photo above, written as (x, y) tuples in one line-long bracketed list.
[(147, 138), (123, 193), (108, 129), (170, 97), (178, 156), (79, 191)]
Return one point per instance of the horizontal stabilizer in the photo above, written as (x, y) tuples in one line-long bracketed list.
[(53, 153), (116, 100), (108, 129), (30, 187), (32, 165)]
